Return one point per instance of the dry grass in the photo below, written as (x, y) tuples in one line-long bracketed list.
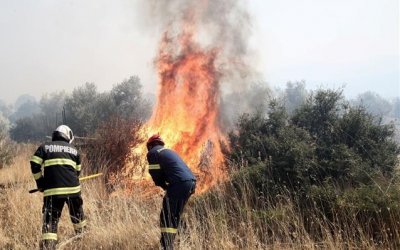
[(130, 222), (115, 222)]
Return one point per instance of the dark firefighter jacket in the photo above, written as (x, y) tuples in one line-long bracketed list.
[(167, 168), (56, 167)]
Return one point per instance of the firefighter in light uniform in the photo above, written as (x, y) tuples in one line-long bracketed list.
[(56, 166), (169, 172)]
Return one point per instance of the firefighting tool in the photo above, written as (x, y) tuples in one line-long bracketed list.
[(80, 179)]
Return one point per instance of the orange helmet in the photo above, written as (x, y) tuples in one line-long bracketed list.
[(154, 140)]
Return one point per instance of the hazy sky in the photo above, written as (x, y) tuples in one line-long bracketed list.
[(49, 45)]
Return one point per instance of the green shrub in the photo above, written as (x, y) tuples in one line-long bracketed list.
[(327, 157)]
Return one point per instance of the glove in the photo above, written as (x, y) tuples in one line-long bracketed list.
[(193, 188), (164, 186), (40, 184)]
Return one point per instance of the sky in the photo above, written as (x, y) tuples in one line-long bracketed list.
[(48, 45)]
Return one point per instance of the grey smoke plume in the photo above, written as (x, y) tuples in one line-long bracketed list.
[(224, 25)]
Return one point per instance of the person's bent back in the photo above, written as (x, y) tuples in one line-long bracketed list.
[(171, 173)]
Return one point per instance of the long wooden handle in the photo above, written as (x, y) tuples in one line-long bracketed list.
[(80, 179)]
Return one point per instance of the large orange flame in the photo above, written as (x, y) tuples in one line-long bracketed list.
[(186, 112)]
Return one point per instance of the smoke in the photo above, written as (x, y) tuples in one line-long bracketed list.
[(203, 54), (224, 26), (254, 99)]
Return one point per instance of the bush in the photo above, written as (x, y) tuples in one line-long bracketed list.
[(326, 154), (7, 147), (111, 147)]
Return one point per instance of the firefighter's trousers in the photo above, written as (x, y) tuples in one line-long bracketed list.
[(52, 209), (173, 203)]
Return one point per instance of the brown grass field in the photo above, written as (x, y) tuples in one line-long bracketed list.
[(131, 222)]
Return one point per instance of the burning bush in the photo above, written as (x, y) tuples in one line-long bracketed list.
[(110, 148)]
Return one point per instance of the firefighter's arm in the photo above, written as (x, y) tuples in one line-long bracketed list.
[(36, 167), (157, 175), (78, 164)]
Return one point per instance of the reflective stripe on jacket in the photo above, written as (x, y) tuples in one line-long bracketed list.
[(56, 166), (166, 167)]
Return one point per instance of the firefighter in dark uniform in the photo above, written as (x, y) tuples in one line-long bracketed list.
[(169, 172), (56, 166)]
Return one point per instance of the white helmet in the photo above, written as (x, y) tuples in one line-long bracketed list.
[(64, 132)]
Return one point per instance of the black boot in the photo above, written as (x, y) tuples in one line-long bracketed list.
[(48, 244), (167, 241)]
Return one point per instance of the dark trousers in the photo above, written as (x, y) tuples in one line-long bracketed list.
[(173, 203), (52, 209)]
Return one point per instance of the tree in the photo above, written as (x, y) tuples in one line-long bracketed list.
[(51, 111), (25, 109), (396, 108), (23, 99), (373, 103), (27, 129), (294, 96), (80, 109), (86, 109), (253, 99), (369, 140), (5, 110), (128, 101), (7, 147), (35, 126)]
